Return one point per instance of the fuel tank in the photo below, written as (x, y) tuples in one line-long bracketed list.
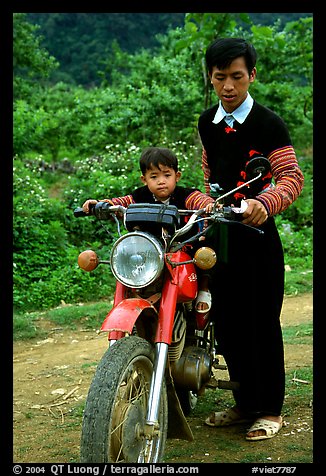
[(186, 277)]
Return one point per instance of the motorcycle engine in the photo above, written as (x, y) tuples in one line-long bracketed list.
[(178, 336), (193, 369), (190, 365)]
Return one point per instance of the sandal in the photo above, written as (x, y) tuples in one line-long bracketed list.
[(226, 418), (202, 314), (270, 427)]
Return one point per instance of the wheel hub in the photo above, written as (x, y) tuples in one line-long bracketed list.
[(129, 430)]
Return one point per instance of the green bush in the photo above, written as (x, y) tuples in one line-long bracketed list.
[(48, 238), (152, 95), (68, 284)]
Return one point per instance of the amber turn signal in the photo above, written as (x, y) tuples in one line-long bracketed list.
[(88, 260), (205, 258)]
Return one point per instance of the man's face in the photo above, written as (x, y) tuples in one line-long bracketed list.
[(231, 84)]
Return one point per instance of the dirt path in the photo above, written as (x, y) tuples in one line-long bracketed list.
[(52, 377)]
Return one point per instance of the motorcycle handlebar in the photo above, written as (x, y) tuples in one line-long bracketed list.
[(227, 212), (104, 211), (79, 212), (101, 210)]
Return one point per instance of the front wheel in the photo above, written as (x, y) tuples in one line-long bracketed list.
[(113, 428)]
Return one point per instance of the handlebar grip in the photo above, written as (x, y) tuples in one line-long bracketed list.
[(79, 212), (230, 214), (101, 210)]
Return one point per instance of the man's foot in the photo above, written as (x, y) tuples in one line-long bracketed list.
[(203, 301), (202, 308), (264, 428), (231, 416)]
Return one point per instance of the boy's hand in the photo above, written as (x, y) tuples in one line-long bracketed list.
[(209, 207), (87, 204)]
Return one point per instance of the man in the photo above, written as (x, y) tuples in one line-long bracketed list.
[(249, 282)]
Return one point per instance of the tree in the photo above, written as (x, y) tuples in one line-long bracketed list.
[(31, 62)]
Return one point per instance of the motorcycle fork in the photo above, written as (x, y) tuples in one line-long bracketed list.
[(162, 341), (161, 353)]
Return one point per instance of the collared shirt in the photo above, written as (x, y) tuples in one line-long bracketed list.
[(240, 114)]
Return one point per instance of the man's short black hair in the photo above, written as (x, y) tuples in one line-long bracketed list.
[(156, 156), (222, 51)]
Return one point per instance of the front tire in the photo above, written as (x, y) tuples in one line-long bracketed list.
[(116, 407)]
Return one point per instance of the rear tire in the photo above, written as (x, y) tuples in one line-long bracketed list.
[(116, 407)]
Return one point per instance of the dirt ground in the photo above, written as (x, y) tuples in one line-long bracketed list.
[(51, 381)]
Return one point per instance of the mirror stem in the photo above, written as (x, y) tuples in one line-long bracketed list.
[(235, 189)]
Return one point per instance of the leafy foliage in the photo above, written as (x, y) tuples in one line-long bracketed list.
[(81, 41), (285, 74), (31, 62), (146, 98), (48, 239)]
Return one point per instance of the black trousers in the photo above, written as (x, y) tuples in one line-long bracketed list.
[(247, 288)]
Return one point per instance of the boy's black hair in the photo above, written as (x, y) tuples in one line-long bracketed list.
[(156, 156), (222, 51)]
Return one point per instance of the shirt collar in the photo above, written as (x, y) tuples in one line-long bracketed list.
[(240, 114), (166, 201)]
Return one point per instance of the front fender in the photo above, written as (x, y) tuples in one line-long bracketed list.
[(122, 317)]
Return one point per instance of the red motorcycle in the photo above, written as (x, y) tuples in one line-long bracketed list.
[(160, 357)]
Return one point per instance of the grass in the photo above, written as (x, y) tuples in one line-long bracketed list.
[(25, 326), (298, 334), (229, 445), (28, 325), (89, 316), (298, 282), (297, 393)]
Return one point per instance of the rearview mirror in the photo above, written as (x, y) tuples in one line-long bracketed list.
[(257, 165)]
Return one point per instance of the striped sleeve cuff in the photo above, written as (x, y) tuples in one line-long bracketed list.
[(197, 200), (123, 201), (288, 181), (206, 171)]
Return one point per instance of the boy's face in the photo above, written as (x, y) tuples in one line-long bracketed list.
[(231, 84), (161, 182)]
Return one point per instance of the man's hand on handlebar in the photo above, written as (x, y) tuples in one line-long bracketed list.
[(255, 214)]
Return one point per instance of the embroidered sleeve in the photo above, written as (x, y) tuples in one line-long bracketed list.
[(197, 200), (123, 201), (288, 181), (206, 170)]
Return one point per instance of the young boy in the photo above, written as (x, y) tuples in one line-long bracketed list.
[(160, 175)]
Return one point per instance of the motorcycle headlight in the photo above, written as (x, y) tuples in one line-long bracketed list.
[(137, 259)]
